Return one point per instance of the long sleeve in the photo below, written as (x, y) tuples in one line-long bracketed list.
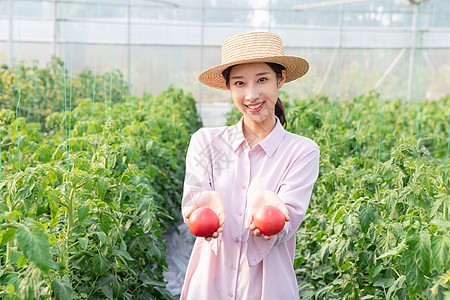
[(295, 191), (198, 171)]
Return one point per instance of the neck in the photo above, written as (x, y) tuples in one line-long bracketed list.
[(255, 132)]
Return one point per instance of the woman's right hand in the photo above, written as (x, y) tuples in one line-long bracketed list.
[(213, 200)]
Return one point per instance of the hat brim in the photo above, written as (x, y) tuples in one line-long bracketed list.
[(296, 67)]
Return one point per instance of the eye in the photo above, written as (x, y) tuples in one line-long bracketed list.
[(239, 83), (262, 79)]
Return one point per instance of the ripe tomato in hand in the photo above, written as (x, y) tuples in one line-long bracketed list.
[(269, 220), (203, 222)]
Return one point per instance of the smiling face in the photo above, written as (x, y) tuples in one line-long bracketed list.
[(254, 89)]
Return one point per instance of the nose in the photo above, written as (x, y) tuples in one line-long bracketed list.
[(252, 93)]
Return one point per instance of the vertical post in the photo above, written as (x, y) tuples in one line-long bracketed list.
[(202, 52), (129, 41), (339, 57), (412, 54), (338, 70), (55, 27), (10, 34)]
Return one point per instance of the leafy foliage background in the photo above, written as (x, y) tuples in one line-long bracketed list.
[(378, 222), (87, 192)]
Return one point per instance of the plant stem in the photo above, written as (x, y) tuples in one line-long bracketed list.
[(70, 210), (445, 211), (8, 253)]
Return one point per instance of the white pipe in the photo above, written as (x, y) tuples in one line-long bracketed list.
[(412, 54), (10, 34), (324, 4), (389, 69)]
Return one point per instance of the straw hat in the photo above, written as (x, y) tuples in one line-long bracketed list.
[(252, 47)]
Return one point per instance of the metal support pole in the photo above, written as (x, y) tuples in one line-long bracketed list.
[(339, 57), (129, 41), (412, 53), (55, 27), (202, 51), (10, 34)]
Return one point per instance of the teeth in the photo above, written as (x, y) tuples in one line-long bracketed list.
[(255, 106)]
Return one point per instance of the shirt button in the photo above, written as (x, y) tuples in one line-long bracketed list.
[(236, 240), (230, 294), (244, 187), (234, 267), (247, 162), (240, 214)]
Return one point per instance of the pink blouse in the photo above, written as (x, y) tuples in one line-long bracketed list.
[(238, 265)]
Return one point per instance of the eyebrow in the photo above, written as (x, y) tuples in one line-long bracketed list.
[(258, 74)]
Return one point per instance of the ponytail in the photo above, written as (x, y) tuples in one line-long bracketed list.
[(279, 112)]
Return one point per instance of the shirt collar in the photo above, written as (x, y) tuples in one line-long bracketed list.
[(269, 144)]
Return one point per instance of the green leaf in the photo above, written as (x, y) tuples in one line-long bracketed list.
[(102, 186), (154, 251), (441, 223), (107, 291), (298, 260), (414, 277), (147, 222), (423, 252), (149, 145), (367, 215), (393, 252), (412, 241), (101, 236), (63, 290), (384, 282), (395, 286), (83, 211), (173, 162), (325, 251), (346, 266), (440, 246), (76, 180), (375, 271), (124, 255), (338, 215), (83, 242), (22, 261), (152, 283), (8, 235), (367, 297), (436, 205), (407, 257), (3, 206), (25, 191), (338, 228), (101, 263), (35, 246), (88, 184), (105, 222)]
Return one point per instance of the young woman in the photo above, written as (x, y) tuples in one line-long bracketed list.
[(237, 169)]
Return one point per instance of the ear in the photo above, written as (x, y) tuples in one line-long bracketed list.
[(282, 79)]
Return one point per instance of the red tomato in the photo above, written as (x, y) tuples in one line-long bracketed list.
[(203, 222), (269, 220)]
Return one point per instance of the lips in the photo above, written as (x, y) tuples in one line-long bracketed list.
[(254, 108)]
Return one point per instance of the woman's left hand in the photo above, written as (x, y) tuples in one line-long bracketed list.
[(260, 199)]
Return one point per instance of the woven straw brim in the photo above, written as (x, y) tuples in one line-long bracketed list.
[(296, 67)]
